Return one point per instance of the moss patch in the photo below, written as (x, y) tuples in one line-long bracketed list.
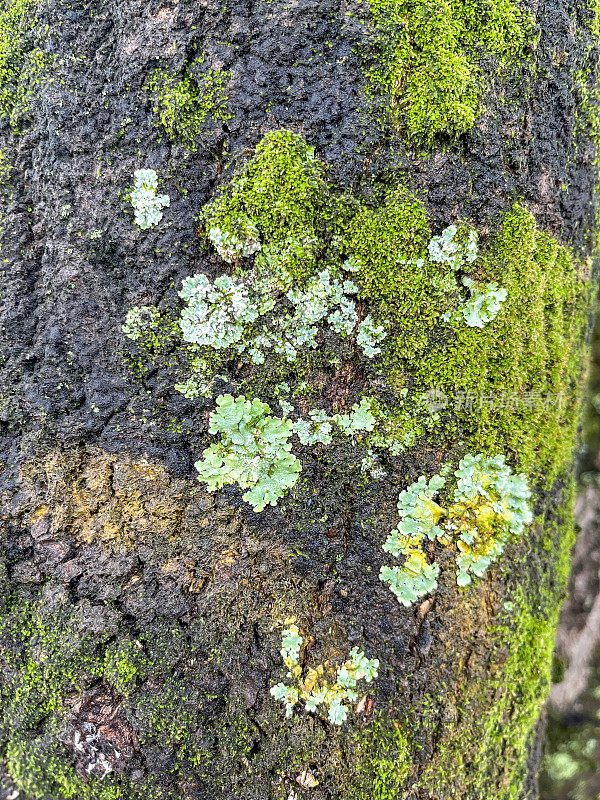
[(281, 192), (516, 385), (184, 103), (430, 57), (386, 759), (21, 64)]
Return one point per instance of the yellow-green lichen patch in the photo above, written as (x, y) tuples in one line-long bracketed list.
[(21, 65), (184, 103), (429, 57)]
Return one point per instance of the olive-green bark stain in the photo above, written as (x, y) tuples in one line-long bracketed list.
[(430, 59)]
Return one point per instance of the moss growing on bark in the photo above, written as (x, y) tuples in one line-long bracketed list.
[(430, 57), (511, 387), (183, 103), (21, 64), (516, 386), (484, 753)]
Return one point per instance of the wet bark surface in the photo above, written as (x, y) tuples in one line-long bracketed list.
[(108, 539)]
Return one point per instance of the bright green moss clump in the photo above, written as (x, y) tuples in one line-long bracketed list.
[(279, 197), (429, 56)]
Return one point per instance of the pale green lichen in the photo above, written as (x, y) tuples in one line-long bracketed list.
[(147, 205), (251, 314), (315, 686), (254, 451), (140, 322), (490, 504), (483, 305)]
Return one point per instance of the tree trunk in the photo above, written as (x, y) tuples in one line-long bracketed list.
[(196, 598)]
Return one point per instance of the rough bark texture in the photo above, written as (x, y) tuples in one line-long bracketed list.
[(145, 613)]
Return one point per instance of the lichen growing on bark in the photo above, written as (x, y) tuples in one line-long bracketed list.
[(107, 512)]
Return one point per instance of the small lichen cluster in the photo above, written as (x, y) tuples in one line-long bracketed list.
[(490, 504), (182, 103), (147, 205), (315, 686), (456, 252), (459, 252), (483, 305), (252, 316), (140, 322), (254, 450)]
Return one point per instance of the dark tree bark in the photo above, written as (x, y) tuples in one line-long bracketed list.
[(143, 614)]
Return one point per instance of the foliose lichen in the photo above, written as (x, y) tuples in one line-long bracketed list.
[(147, 205), (316, 685), (490, 504), (254, 451)]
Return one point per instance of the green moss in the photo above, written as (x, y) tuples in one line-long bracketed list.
[(282, 193), (166, 716), (378, 237), (587, 116), (429, 56), (183, 103), (123, 665), (516, 385), (41, 771), (385, 757), (49, 657), (484, 753), (5, 169), (21, 65)]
